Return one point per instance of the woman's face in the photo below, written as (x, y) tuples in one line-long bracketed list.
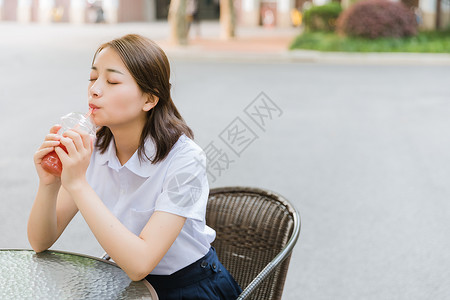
[(114, 96)]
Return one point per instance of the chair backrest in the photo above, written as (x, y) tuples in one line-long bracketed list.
[(255, 229)]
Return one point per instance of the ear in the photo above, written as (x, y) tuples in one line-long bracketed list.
[(151, 101)]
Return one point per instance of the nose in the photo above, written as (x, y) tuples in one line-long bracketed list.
[(95, 91)]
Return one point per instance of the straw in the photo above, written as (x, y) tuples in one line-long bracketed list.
[(87, 115)]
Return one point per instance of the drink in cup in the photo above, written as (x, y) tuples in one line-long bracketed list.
[(51, 162)]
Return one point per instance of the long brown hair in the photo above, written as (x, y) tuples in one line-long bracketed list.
[(150, 67)]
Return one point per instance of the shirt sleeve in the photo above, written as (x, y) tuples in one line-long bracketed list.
[(185, 189)]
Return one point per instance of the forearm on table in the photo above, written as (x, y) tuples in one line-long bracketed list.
[(127, 249), (42, 222)]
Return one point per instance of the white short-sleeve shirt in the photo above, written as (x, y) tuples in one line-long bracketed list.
[(177, 185)]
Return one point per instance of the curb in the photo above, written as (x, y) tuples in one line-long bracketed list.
[(371, 58), (192, 53)]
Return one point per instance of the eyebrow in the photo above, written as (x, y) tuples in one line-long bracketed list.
[(109, 70)]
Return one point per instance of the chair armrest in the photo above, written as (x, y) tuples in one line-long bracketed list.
[(262, 275), (287, 250)]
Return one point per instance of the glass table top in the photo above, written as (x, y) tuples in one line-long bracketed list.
[(25, 274)]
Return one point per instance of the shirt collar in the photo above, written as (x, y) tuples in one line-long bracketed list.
[(142, 168)]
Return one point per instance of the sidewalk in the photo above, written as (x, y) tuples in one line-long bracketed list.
[(276, 50), (271, 45), (258, 45), (250, 44)]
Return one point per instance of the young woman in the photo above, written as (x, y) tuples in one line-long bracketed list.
[(142, 188)]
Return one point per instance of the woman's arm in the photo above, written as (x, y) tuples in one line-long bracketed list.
[(137, 256), (52, 209)]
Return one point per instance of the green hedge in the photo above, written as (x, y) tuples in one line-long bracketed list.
[(424, 42), (322, 17)]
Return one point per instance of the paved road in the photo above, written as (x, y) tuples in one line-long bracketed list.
[(362, 151)]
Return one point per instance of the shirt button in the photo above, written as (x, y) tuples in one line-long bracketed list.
[(214, 266), (203, 264)]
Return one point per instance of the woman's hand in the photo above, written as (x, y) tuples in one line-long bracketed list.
[(75, 161), (51, 141)]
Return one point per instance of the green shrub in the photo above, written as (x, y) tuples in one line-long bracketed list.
[(322, 17), (377, 19), (424, 42)]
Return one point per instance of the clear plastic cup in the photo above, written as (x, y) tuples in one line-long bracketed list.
[(51, 162)]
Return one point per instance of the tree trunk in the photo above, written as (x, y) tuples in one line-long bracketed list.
[(438, 14), (227, 19), (178, 22)]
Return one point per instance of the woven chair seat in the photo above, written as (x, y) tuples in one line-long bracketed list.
[(256, 232)]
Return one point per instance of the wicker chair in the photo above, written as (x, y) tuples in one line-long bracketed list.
[(256, 232)]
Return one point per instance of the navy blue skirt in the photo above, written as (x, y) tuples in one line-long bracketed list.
[(204, 279)]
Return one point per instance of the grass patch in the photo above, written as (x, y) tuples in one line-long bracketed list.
[(424, 42)]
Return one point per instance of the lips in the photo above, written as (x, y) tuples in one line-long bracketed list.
[(93, 107)]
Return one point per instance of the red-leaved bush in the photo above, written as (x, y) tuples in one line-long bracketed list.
[(377, 18)]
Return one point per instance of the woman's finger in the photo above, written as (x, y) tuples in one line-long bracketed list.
[(62, 154), (39, 155), (76, 139), (52, 137), (55, 128), (85, 137), (68, 145), (49, 144)]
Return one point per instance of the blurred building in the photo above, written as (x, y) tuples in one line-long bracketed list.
[(249, 12), (78, 11)]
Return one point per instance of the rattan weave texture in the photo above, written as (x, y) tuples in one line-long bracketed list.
[(253, 226)]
